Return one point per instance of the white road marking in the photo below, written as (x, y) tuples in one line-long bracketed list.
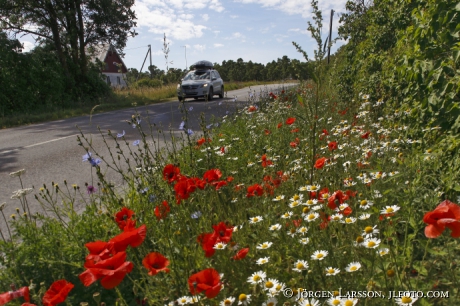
[(37, 144)]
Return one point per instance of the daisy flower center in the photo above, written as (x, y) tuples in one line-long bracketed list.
[(336, 302), (363, 202), (348, 303), (353, 268), (271, 304), (269, 284), (348, 220), (305, 210), (255, 219), (369, 229), (300, 266), (389, 210), (311, 216), (313, 187), (242, 297), (256, 278), (331, 270), (292, 230), (371, 244), (227, 302), (319, 255), (296, 197), (406, 299)]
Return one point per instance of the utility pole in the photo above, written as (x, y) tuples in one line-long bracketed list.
[(150, 51), (330, 37), (186, 66)]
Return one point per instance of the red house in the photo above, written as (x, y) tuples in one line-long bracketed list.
[(114, 68)]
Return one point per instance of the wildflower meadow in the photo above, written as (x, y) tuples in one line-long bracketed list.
[(298, 198)]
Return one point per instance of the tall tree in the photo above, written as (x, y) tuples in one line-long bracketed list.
[(71, 26)]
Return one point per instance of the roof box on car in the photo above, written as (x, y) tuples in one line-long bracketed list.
[(203, 65)]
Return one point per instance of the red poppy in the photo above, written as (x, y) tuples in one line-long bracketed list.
[(332, 145), (279, 125), (351, 193), (99, 250), (183, 188), (343, 112), (255, 189), (337, 197), (212, 175), (290, 120), (446, 214), (325, 132), (155, 262), (319, 164), (347, 211), (124, 218), (11, 295), (252, 108), (161, 211), (265, 161), (295, 130), (134, 238), (28, 304), (219, 184), (267, 132), (366, 135), (199, 183), (297, 222), (110, 271), (207, 241), (223, 232), (207, 280), (293, 144), (241, 254), (200, 141), (57, 293), (171, 173)]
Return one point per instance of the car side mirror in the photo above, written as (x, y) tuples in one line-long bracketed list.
[(213, 79)]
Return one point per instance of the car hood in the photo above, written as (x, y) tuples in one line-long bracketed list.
[(194, 82)]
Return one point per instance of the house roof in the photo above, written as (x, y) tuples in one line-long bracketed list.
[(100, 52)]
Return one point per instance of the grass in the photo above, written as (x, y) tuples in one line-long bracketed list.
[(120, 99), (295, 176)]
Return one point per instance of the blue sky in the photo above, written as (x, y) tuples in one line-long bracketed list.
[(217, 30)]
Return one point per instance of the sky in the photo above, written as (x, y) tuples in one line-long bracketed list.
[(218, 30)]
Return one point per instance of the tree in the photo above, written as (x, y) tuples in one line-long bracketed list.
[(71, 26)]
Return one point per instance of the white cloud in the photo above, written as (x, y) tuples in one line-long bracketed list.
[(27, 46), (169, 16), (199, 47), (236, 35), (218, 45), (234, 16)]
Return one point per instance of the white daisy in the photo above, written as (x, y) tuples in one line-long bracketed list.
[(287, 215), (353, 266), (227, 301), (275, 227), (294, 204), (311, 217), (278, 198), (364, 216), (332, 271), (349, 301), (304, 240), (244, 299), (319, 255), (270, 284), (348, 220), (311, 202), (302, 230), (220, 246), (296, 197), (389, 209), (370, 231), (184, 300), (262, 260), (383, 251), (264, 245), (406, 300), (334, 301), (254, 220), (371, 243), (313, 188), (271, 302), (336, 217), (300, 265), (257, 277), (365, 204)]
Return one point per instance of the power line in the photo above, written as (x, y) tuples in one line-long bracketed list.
[(135, 48)]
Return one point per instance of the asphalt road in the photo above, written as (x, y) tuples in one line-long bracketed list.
[(49, 152)]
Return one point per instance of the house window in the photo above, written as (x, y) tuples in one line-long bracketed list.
[(108, 80), (118, 80)]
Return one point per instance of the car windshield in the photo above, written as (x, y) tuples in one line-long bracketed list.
[(197, 75)]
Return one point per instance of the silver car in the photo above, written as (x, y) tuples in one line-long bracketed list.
[(201, 82)]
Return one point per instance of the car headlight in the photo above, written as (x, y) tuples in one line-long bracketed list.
[(204, 85), (178, 86)]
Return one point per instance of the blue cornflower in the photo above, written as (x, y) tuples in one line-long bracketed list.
[(86, 157), (121, 135), (181, 126), (136, 142), (94, 162), (190, 108), (209, 126), (190, 132), (196, 214)]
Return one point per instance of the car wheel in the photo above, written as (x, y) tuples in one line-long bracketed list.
[(180, 99), (221, 95), (210, 94)]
